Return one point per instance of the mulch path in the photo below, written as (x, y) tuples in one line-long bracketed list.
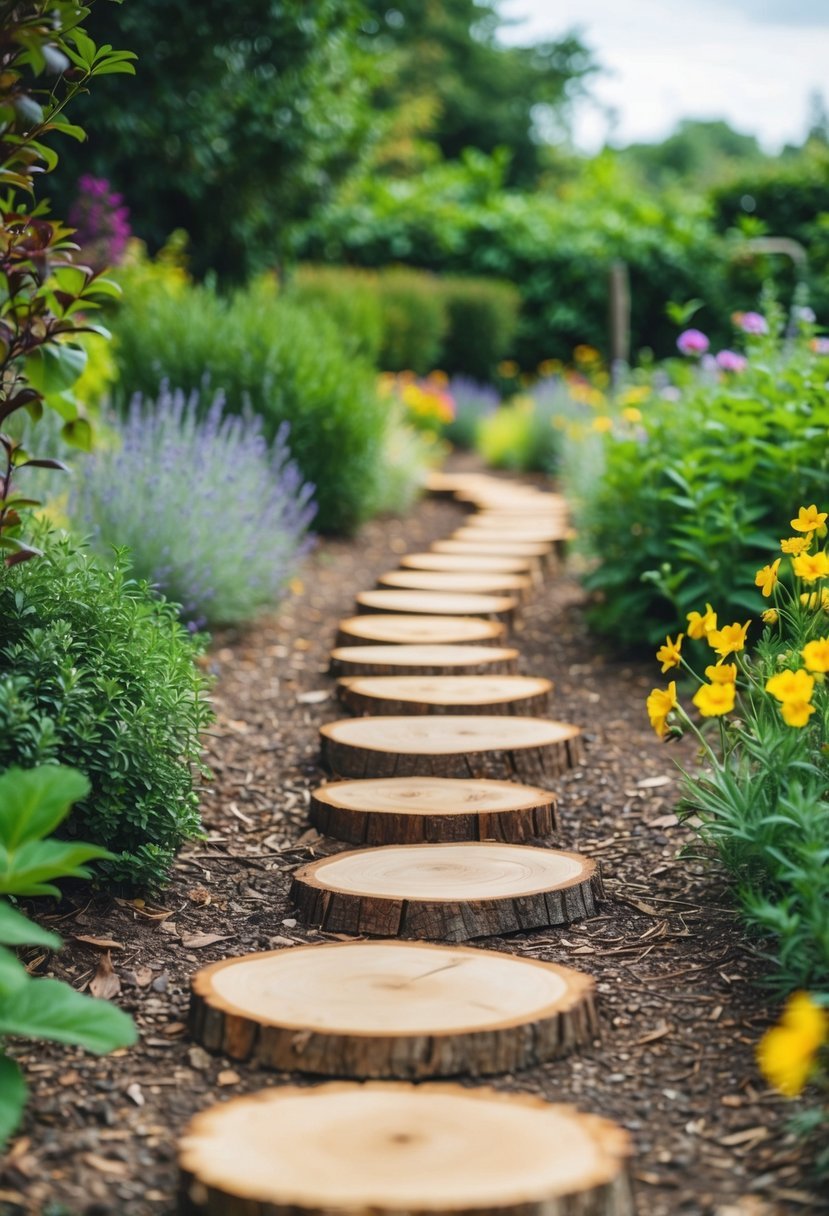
[(681, 1008)]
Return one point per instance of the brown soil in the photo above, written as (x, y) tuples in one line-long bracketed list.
[(680, 1005)]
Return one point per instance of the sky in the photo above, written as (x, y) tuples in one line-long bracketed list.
[(752, 62)]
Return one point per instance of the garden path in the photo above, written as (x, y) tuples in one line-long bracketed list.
[(679, 1010)]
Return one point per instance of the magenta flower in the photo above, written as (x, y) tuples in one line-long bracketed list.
[(692, 342), (751, 322), (731, 361)]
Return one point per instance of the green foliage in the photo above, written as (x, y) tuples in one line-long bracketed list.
[(483, 320), (32, 804), (415, 321), (97, 673), (408, 453), (242, 117), (521, 435), (284, 362), (556, 246), (691, 498), (46, 61), (351, 298), (698, 152)]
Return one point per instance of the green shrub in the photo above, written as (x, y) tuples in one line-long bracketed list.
[(32, 804), (415, 321), (350, 297), (284, 362), (483, 320), (98, 673), (690, 498)]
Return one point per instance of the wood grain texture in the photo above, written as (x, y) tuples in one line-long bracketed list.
[(421, 810), (446, 892), (397, 1149), (460, 581), (398, 629), (438, 603), (446, 694), (425, 660), (474, 563), (536, 750), (404, 1010)]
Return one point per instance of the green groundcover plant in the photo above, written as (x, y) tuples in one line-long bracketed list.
[(32, 804), (689, 494), (97, 672)]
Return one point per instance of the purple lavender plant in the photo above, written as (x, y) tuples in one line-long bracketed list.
[(101, 222), (473, 401), (212, 516)]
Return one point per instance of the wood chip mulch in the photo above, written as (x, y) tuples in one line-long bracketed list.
[(682, 1001)]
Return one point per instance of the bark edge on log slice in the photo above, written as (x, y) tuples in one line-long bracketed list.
[(397, 1149), (477, 890), (536, 750), (404, 1010), (446, 694), (432, 810), (398, 629), (434, 660)]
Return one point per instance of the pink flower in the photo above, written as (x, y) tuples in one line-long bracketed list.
[(731, 361), (751, 322), (692, 342), (820, 346)]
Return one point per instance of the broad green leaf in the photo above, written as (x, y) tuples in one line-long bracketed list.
[(26, 870), (12, 1097), (34, 801), (17, 930), (13, 975), (78, 433), (50, 1009), (56, 367)]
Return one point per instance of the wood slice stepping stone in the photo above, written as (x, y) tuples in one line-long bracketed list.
[(496, 542), (461, 581), (541, 555), (399, 629), (476, 564), (521, 529), (406, 1010), (446, 694), (399, 1149), (446, 892), (438, 603), (423, 660), (432, 810), (462, 745)]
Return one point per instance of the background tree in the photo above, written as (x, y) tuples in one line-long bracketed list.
[(241, 118)]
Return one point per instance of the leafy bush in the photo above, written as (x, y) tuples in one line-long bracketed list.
[(761, 796), (98, 673), (268, 356), (209, 514), (32, 804), (415, 321), (408, 452), (350, 297), (483, 320), (689, 496)]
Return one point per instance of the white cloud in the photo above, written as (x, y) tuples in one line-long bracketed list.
[(753, 64)]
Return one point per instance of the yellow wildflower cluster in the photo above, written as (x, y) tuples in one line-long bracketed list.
[(427, 401), (787, 1053), (793, 688)]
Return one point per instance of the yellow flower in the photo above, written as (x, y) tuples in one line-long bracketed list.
[(809, 519), (549, 367), (816, 654), (766, 579), (816, 600), (507, 368), (632, 414), (771, 616), (796, 713), (787, 1052), (728, 639), (714, 699), (796, 544), (791, 686), (586, 354), (659, 704), (722, 673), (700, 624), (668, 654), (811, 566), (602, 424)]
